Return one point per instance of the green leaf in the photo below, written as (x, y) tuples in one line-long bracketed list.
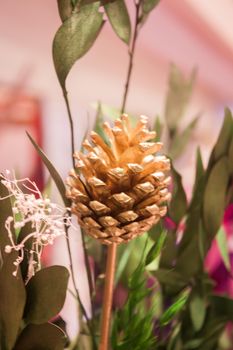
[(46, 292), (223, 248), (181, 140), (119, 18), (41, 337), (224, 139), (64, 8), (12, 290), (197, 311), (149, 5), (156, 248), (174, 309), (74, 38), (53, 172), (214, 196), (178, 204), (178, 96)]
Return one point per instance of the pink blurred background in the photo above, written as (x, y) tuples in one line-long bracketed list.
[(189, 33)]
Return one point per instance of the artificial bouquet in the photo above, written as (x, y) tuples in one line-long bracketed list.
[(142, 239)]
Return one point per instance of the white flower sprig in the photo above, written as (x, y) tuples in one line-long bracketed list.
[(47, 221)]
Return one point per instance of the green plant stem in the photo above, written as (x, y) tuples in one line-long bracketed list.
[(131, 53)]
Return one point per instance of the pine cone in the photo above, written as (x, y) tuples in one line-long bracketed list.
[(119, 192)]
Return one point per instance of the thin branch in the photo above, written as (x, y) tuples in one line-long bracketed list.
[(71, 125), (131, 53), (67, 233), (89, 325)]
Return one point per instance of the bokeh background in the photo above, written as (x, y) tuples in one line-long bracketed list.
[(190, 33)]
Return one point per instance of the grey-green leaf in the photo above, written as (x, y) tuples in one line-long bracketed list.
[(149, 5), (74, 38), (46, 292), (214, 196), (181, 140), (12, 290), (224, 139), (45, 336), (118, 16), (178, 96), (53, 172)]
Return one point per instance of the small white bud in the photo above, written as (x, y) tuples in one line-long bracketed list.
[(8, 249)]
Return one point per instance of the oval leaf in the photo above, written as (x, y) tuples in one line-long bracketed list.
[(74, 38), (53, 172), (46, 292), (119, 18), (44, 337), (12, 290), (223, 248), (214, 196)]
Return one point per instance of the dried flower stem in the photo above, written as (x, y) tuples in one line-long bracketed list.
[(131, 55), (71, 124), (108, 295)]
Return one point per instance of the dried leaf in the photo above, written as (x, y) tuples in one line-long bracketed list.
[(45, 336), (74, 38), (118, 16), (46, 292)]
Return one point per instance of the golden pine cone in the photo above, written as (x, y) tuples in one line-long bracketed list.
[(119, 192)]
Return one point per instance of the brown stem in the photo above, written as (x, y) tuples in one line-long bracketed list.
[(108, 295), (131, 56)]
